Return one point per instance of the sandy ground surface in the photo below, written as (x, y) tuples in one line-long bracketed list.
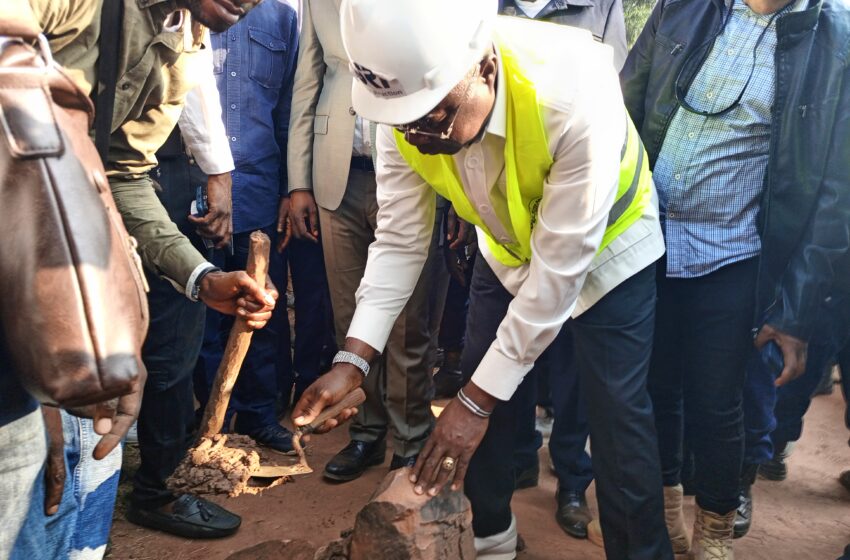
[(805, 517)]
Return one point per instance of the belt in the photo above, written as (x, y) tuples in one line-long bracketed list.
[(363, 163)]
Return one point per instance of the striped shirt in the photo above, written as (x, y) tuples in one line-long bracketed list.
[(710, 170)]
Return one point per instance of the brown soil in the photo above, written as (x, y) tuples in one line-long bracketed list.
[(223, 464), (804, 518)]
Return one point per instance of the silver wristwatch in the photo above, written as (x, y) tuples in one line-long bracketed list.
[(353, 359)]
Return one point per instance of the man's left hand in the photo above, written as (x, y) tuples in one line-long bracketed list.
[(793, 349), (236, 293), (284, 226), (456, 436), (217, 224)]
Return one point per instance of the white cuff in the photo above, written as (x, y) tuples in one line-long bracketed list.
[(372, 326), (189, 289), (212, 161), (499, 375)]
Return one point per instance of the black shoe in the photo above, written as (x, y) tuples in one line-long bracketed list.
[(401, 462), (846, 555), (190, 517), (573, 515), (273, 436), (448, 379), (355, 458), (776, 469), (744, 516), (527, 477)]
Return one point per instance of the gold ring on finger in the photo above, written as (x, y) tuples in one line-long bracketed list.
[(448, 464)]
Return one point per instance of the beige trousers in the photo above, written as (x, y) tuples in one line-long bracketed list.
[(399, 386)]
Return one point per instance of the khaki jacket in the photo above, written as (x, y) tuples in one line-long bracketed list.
[(321, 125), (156, 69)]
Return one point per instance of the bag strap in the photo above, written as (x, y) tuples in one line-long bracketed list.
[(111, 24)]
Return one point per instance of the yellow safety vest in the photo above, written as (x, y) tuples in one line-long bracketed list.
[(527, 164)]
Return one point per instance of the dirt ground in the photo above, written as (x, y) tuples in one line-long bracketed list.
[(805, 517)]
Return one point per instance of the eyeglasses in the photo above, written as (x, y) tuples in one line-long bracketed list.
[(690, 70), (420, 127)]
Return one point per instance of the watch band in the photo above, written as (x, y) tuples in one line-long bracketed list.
[(346, 357), (196, 282)]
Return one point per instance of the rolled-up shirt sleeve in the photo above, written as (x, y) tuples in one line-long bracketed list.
[(573, 214), (403, 236), (201, 124)]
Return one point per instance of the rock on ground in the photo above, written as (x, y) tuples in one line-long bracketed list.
[(398, 524)]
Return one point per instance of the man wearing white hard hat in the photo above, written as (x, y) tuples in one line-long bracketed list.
[(521, 125)]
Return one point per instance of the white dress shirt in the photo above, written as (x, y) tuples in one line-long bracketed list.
[(201, 124), (585, 122)]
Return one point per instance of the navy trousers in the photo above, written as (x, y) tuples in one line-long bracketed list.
[(613, 341), (254, 396), (555, 373), (775, 416)]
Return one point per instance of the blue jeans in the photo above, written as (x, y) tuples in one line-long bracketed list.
[(80, 529), (774, 415), (23, 448)]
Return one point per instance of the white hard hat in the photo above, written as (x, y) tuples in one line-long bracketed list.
[(407, 55)]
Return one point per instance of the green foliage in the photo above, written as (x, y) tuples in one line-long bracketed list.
[(636, 13)]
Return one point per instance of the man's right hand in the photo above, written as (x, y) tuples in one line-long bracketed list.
[(304, 216), (236, 293), (326, 391)]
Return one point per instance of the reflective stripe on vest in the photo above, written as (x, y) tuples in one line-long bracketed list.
[(527, 164)]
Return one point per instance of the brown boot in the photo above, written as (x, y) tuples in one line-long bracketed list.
[(713, 536), (674, 517)]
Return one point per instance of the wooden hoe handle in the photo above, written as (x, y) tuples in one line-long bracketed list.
[(237, 343)]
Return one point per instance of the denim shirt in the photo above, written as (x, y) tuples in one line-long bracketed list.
[(254, 63), (603, 18)]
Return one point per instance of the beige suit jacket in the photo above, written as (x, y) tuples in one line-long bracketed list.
[(321, 126)]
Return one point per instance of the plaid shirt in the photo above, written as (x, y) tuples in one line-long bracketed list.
[(710, 171)]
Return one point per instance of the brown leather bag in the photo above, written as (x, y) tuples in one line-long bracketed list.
[(73, 309)]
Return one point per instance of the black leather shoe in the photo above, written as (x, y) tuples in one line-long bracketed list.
[(776, 469), (190, 517), (273, 436), (573, 515), (355, 458), (527, 478), (400, 462), (744, 516), (449, 379)]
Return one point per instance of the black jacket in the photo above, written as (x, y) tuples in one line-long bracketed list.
[(805, 210)]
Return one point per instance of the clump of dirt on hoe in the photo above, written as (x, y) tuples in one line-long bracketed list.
[(223, 464)]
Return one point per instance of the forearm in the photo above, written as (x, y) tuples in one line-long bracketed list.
[(163, 249)]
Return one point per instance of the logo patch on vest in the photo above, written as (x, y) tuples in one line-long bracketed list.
[(379, 86), (533, 205)]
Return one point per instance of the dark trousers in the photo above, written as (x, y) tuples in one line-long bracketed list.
[(612, 341), (453, 324), (315, 342), (775, 416), (174, 339), (254, 396), (702, 343), (570, 431), (557, 380)]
